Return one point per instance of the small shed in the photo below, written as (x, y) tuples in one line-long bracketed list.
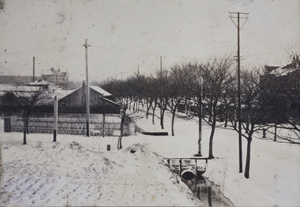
[(101, 101)]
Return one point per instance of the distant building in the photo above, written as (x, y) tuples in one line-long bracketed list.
[(282, 86), (40, 83), (57, 77)]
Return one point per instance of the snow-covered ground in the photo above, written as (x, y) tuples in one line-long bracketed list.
[(274, 171), (78, 170)]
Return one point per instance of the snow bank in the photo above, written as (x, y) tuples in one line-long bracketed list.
[(43, 173)]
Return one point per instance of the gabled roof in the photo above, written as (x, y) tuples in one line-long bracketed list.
[(101, 91), (47, 98), (109, 101)]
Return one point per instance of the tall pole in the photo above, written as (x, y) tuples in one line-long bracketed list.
[(237, 16), (33, 75), (87, 91), (199, 154), (55, 118), (161, 97), (239, 97)]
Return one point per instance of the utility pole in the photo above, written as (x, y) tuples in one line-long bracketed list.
[(33, 75), (55, 118), (199, 154), (161, 96), (238, 16), (87, 91)]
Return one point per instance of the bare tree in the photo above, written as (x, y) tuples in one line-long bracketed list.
[(217, 75), (152, 96), (24, 102), (194, 93), (176, 90), (253, 111), (163, 88)]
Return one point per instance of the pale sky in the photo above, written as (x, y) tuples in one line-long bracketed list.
[(127, 34)]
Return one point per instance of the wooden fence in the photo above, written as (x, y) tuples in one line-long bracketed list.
[(67, 124)]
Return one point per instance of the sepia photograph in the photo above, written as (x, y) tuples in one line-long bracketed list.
[(149, 103)]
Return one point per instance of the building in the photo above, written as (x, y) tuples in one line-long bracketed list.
[(101, 101), (70, 101), (15, 100), (10, 97), (281, 91), (57, 77)]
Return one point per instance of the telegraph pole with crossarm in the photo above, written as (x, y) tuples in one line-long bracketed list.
[(87, 91), (238, 16)]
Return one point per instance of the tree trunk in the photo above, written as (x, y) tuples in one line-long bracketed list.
[(27, 124), (147, 112), (148, 106), (211, 138), (213, 128), (119, 145), (172, 123), (24, 131), (153, 114), (248, 156), (226, 117), (162, 118)]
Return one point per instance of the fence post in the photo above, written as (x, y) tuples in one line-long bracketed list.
[(7, 124), (264, 132), (103, 124), (55, 118)]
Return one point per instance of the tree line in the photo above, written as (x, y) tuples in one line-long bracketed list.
[(211, 88)]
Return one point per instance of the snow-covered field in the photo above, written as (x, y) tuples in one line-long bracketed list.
[(78, 170)]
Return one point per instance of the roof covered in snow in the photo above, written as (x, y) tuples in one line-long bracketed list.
[(10, 88), (38, 83), (284, 70), (101, 91)]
